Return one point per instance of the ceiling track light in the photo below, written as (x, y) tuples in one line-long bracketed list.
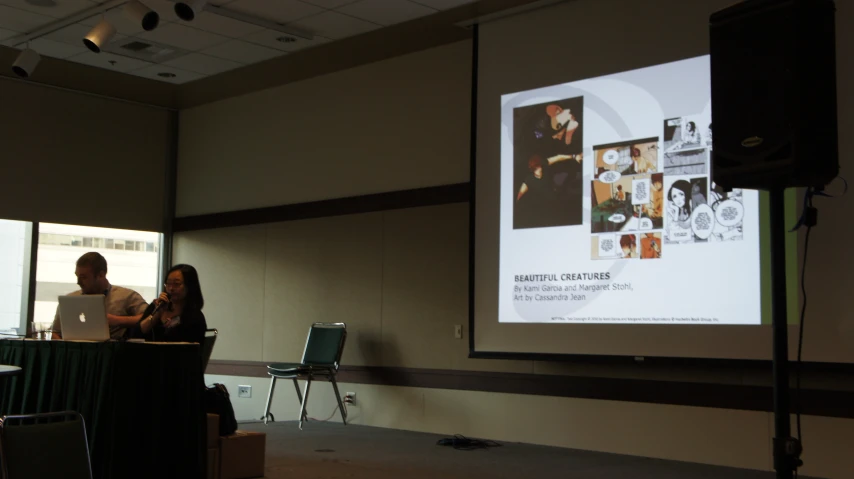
[(144, 16), (26, 63), (188, 9), (99, 36)]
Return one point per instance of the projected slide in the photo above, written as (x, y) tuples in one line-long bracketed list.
[(608, 209)]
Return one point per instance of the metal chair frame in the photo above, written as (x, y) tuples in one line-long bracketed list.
[(309, 372), (4, 423)]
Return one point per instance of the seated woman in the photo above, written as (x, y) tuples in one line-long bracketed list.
[(179, 317)]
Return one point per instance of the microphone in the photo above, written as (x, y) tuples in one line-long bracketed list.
[(160, 304)]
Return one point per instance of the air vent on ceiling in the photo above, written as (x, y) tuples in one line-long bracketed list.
[(142, 50), (137, 46), (286, 39)]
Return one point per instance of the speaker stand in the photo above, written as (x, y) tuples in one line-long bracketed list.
[(787, 449)]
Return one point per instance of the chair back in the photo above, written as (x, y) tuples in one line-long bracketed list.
[(207, 347), (325, 344), (48, 445)]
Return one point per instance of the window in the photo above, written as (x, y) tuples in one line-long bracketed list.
[(127, 265), (14, 273)]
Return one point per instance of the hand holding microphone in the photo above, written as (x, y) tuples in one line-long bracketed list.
[(162, 300)]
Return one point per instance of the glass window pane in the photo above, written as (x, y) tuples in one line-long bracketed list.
[(126, 267), (14, 244)]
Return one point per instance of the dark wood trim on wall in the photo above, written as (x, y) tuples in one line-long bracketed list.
[(430, 196), (813, 402)]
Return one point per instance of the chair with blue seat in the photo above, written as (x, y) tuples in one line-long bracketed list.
[(320, 360)]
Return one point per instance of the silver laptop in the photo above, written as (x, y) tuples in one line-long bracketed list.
[(83, 317)]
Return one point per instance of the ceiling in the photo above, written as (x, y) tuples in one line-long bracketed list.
[(228, 35)]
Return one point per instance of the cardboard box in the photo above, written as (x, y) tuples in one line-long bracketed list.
[(213, 431), (242, 455), (213, 463)]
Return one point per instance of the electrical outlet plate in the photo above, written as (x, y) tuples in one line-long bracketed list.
[(458, 331), (244, 391), (350, 397)]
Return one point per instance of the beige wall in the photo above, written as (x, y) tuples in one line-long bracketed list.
[(399, 280), (392, 125), (264, 285), (78, 159)]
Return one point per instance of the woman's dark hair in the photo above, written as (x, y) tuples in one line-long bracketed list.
[(194, 297), (685, 188), (692, 127)]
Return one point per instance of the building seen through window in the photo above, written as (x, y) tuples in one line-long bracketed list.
[(133, 260)]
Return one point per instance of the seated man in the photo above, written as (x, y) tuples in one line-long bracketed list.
[(124, 306)]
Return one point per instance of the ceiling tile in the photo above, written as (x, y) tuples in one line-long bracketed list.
[(211, 22), (220, 3), (269, 38), (443, 4), (21, 20), (204, 64), (279, 11), (153, 72), (385, 12), (4, 34), (108, 61), (242, 52), (123, 24), (73, 34), (335, 25), (329, 4), (184, 37), (50, 48), (60, 8)]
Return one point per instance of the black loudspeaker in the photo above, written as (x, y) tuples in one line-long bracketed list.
[(773, 71)]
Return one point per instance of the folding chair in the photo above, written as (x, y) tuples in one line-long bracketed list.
[(45, 446), (320, 360), (207, 347)]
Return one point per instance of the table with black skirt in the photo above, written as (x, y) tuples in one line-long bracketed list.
[(142, 402)]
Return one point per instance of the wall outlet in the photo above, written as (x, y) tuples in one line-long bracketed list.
[(244, 391), (458, 331), (350, 398)]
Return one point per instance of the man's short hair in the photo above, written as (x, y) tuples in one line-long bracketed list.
[(95, 261)]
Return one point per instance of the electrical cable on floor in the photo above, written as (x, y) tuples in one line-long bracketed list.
[(330, 416), (463, 443)]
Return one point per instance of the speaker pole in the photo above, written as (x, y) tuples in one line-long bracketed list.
[(786, 448)]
